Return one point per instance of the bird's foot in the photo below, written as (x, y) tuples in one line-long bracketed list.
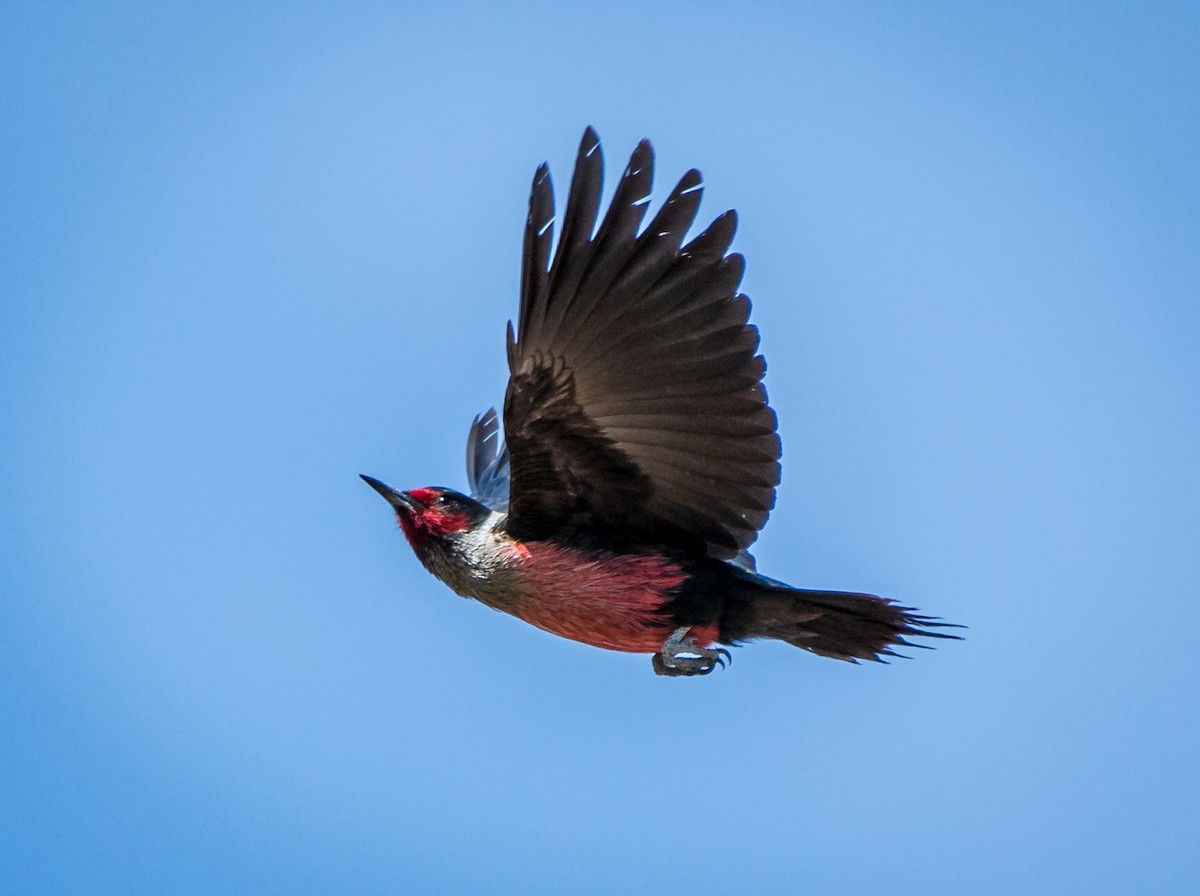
[(681, 655)]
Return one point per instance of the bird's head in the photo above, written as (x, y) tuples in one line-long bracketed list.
[(430, 516)]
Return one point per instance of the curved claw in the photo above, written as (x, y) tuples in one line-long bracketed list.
[(680, 655)]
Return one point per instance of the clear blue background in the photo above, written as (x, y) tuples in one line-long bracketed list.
[(248, 251)]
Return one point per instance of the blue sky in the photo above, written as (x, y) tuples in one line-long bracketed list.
[(249, 251)]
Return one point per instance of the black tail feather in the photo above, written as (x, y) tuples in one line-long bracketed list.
[(843, 625)]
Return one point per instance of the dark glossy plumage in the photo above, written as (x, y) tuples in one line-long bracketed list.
[(487, 461), (635, 407)]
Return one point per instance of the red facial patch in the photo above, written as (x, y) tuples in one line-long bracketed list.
[(431, 520), (424, 495), (442, 521)]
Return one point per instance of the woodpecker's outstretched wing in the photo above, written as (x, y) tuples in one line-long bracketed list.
[(487, 462), (635, 405)]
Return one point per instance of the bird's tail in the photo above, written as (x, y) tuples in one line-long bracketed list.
[(838, 624)]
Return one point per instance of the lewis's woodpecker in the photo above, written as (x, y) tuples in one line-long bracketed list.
[(639, 456)]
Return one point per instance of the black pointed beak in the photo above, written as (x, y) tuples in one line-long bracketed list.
[(398, 500)]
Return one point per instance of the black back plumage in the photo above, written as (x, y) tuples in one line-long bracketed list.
[(635, 406)]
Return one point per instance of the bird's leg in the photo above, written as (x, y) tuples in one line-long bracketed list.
[(681, 655)]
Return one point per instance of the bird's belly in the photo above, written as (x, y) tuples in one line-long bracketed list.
[(614, 601)]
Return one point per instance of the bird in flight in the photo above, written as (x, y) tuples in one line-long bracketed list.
[(639, 456)]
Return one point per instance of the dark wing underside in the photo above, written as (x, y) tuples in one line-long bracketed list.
[(635, 405), (487, 462)]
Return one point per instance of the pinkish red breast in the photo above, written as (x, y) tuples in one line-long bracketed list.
[(600, 598)]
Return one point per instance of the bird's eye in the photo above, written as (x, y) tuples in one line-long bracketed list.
[(441, 499)]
